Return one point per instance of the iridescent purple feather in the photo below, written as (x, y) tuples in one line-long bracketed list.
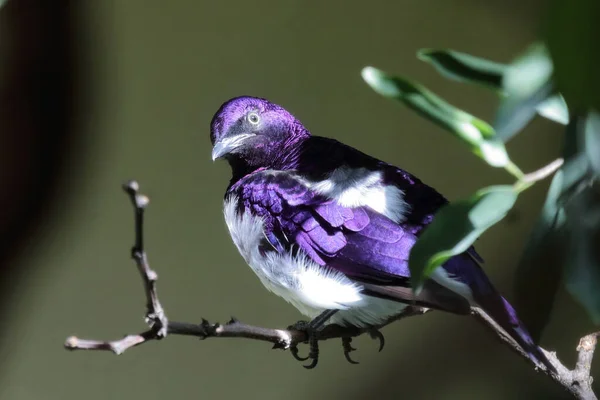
[(269, 180)]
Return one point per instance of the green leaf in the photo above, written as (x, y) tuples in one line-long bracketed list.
[(527, 84), (464, 67), (528, 72), (592, 140), (555, 109), (583, 263), (455, 228), (478, 134), (549, 247), (576, 169), (581, 199), (540, 268), (571, 33)]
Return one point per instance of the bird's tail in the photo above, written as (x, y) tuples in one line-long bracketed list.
[(503, 314), (494, 306)]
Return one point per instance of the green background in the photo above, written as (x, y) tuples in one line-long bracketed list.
[(155, 72)]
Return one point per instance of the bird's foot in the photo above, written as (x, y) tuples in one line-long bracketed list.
[(313, 342), (312, 330)]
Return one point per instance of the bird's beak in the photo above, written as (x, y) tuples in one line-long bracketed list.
[(229, 144), (219, 151)]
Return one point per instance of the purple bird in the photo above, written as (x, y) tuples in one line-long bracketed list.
[(330, 229)]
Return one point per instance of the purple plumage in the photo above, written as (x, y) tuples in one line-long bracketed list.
[(326, 226)]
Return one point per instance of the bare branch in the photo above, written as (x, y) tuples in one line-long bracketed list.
[(116, 346), (280, 338), (578, 381), (155, 313)]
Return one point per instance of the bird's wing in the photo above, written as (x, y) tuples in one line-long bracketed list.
[(424, 200), (321, 156), (363, 244)]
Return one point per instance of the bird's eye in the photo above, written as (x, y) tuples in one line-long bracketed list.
[(253, 118)]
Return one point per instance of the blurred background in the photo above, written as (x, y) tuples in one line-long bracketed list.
[(94, 93)]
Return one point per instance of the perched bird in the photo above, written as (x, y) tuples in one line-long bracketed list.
[(330, 229)]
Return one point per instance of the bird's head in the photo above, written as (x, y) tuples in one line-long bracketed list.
[(251, 133)]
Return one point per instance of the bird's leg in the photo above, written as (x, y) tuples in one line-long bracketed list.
[(312, 329)]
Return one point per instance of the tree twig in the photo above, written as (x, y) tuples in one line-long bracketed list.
[(577, 381), (155, 313)]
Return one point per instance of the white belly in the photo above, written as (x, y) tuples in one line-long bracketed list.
[(310, 287)]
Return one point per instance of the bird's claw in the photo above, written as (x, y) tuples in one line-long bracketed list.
[(294, 351), (313, 342), (313, 352), (347, 345), (376, 334)]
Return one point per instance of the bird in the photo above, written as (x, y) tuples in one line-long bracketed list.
[(329, 228)]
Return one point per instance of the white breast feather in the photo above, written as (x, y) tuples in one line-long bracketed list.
[(310, 287)]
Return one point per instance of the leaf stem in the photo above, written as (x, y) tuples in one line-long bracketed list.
[(515, 171), (544, 172), (526, 181)]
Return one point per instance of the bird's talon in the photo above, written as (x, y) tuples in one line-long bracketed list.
[(313, 353), (294, 351), (376, 334), (312, 364), (346, 344), (349, 359)]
